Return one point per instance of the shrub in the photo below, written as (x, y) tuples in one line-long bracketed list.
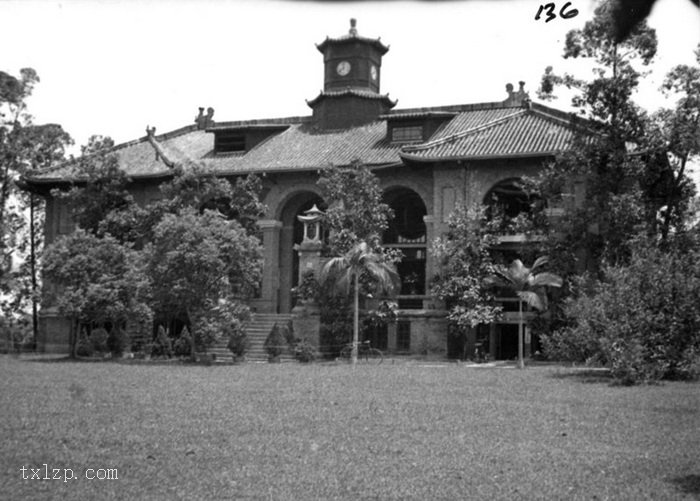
[(304, 351), (84, 347), (238, 343), (308, 288), (117, 341), (162, 347), (183, 344), (288, 332), (98, 337), (642, 320), (275, 342)]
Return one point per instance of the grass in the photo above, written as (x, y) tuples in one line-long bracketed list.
[(324, 431)]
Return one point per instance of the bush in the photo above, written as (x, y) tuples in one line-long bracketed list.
[(304, 351), (162, 347), (288, 333), (642, 320), (275, 342), (308, 288), (98, 337), (84, 347), (183, 344), (238, 343), (117, 341)]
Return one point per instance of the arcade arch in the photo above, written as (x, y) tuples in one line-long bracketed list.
[(292, 233), (407, 233)]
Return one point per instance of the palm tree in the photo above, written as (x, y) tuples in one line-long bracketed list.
[(528, 286), (346, 270)]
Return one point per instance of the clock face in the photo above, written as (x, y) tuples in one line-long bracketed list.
[(373, 72), (343, 68)]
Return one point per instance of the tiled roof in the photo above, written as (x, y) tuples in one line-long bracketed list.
[(365, 94), (487, 130), (510, 132), (302, 147), (376, 42), (407, 115)]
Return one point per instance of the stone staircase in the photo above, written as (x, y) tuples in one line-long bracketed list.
[(257, 329)]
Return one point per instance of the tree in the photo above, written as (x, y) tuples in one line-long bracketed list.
[(608, 152), (95, 281), (196, 261), (676, 132), (528, 286), (465, 256), (24, 147), (355, 212), (345, 272)]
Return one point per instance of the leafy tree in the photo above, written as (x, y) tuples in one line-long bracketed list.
[(95, 280), (102, 190), (529, 287), (196, 260), (200, 190), (619, 181), (677, 132), (466, 263), (24, 146), (355, 212), (345, 272)]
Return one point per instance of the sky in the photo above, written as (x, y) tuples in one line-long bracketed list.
[(115, 67)]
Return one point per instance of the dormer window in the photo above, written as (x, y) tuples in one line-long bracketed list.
[(229, 142), (407, 133)]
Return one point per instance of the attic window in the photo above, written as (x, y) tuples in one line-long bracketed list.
[(406, 133), (227, 142)]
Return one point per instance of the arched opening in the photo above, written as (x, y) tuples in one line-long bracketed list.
[(292, 233), (508, 199), (407, 233)]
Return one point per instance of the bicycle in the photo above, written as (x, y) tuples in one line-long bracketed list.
[(365, 353)]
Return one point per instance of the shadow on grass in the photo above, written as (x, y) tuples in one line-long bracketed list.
[(688, 484), (591, 376), (173, 362)]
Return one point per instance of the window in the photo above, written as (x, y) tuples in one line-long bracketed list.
[(227, 142), (403, 335), (407, 134)]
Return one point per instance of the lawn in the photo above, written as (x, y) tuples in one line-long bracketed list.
[(406, 430)]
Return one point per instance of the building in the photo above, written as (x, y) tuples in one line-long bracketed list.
[(428, 160)]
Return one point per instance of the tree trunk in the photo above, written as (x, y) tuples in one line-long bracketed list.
[(521, 361), (356, 323)]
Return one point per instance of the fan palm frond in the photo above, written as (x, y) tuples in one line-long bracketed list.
[(532, 299)]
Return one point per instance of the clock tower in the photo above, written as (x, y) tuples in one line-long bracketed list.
[(352, 71)]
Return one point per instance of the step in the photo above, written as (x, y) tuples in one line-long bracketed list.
[(257, 329)]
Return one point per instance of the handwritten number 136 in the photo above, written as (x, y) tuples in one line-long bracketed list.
[(549, 10)]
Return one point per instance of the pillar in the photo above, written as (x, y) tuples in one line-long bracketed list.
[(430, 265), (271, 279)]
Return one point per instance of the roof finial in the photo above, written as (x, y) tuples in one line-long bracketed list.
[(353, 27)]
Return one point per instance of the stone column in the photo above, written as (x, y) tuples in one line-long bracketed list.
[(270, 282), (527, 342), (430, 265), (493, 339)]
